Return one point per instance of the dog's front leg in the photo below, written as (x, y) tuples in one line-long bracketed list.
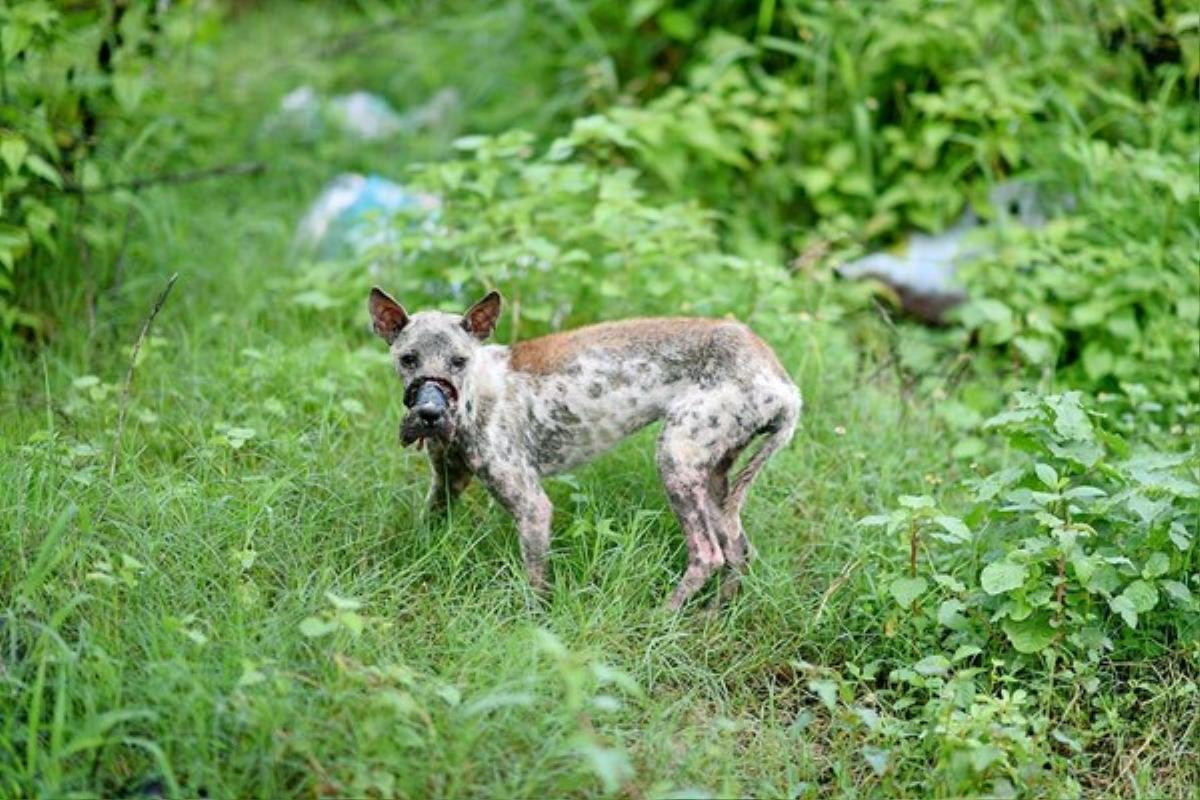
[(450, 475), (519, 490)]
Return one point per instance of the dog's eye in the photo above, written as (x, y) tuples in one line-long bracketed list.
[(458, 362), (409, 360)]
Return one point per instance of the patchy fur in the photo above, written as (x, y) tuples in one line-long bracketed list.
[(546, 405)]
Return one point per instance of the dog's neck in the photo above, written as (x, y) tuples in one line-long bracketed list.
[(485, 382)]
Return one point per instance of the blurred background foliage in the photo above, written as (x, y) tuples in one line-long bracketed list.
[(776, 138)]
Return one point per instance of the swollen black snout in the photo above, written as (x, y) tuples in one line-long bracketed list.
[(428, 402), (428, 412)]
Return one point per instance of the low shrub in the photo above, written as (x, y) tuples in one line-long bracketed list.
[(1064, 553)]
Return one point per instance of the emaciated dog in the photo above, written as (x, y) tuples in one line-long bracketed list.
[(511, 415)]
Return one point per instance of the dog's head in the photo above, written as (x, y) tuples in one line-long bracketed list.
[(432, 351)]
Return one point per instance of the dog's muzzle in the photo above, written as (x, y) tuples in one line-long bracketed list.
[(428, 401)]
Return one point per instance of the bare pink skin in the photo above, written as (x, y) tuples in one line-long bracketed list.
[(543, 406)]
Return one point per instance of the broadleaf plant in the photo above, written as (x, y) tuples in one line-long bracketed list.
[(1076, 543)]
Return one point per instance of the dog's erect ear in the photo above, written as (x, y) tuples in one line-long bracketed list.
[(480, 319), (387, 316)]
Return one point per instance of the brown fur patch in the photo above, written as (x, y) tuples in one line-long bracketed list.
[(551, 353)]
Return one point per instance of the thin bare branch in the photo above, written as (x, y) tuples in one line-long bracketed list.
[(189, 176), (137, 348)]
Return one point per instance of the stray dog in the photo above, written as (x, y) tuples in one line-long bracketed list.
[(511, 415)]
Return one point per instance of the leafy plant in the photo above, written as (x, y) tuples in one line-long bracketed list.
[(863, 121), (1073, 543), (1107, 298), (75, 81), (567, 239)]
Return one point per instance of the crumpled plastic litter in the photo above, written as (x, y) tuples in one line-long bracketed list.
[(923, 269), (362, 115), (357, 213)]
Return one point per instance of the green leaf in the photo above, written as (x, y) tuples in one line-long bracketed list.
[(1035, 350), (1142, 595), (313, 627), (470, 143), (1179, 536), (955, 527), (1084, 565), (14, 36), (12, 150), (1012, 417), (816, 181), (1084, 493), (992, 311), (916, 501), (239, 436), (1124, 606), (1178, 591), (250, 675), (677, 24), (968, 447), (1070, 420), (499, 699), (14, 244), (950, 614), (399, 701), (992, 485), (907, 590), (450, 694), (343, 603), (352, 406), (826, 690), (950, 582), (89, 175), (1046, 475), (1157, 564), (129, 86), (1002, 576), (1097, 360), (1085, 454), (966, 651), (40, 167), (932, 665), (868, 716), (1031, 635), (352, 621)]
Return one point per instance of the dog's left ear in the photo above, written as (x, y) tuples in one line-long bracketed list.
[(480, 319)]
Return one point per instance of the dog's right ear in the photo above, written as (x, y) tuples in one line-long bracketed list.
[(387, 316)]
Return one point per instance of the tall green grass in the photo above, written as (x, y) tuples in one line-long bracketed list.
[(154, 621)]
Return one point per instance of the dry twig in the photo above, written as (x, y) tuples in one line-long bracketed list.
[(137, 347), (190, 176)]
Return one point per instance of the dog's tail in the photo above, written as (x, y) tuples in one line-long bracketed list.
[(779, 432)]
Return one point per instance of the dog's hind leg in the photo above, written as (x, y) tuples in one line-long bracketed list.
[(734, 545), (686, 470), (778, 432)]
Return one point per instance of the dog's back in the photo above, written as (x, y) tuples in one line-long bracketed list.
[(668, 340), (587, 389)]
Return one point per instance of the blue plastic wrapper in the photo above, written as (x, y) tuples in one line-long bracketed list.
[(355, 213)]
